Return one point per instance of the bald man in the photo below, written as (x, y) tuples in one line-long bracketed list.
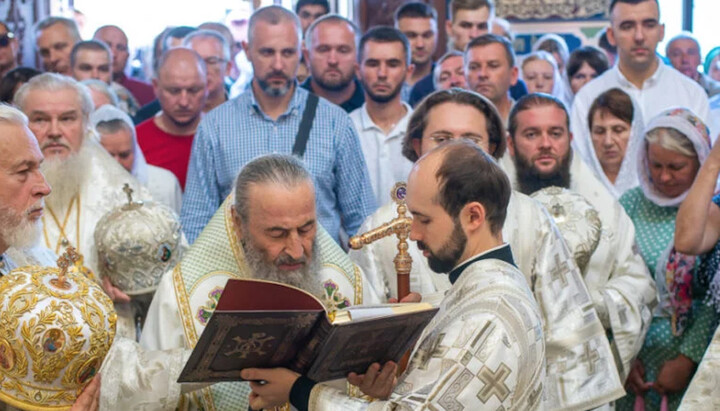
[(180, 84), (117, 41)]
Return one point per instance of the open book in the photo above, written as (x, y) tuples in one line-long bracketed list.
[(262, 324)]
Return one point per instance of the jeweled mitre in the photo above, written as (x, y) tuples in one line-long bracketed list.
[(136, 244), (577, 219), (56, 326)]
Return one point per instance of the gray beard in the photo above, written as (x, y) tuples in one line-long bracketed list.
[(18, 231), (66, 177), (306, 278)]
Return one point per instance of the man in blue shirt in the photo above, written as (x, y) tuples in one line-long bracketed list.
[(267, 119)]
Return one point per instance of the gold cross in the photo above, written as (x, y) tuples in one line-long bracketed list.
[(494, 383)]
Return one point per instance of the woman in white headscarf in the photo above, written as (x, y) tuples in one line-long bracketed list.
[(556, 45), (540, 73), (116, 133), (675, 144), (616, 131)]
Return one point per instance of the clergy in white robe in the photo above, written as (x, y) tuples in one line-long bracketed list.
[(484, 349), (230, 247), (132, 379), (86, 181), (622, 290), (581, 372)]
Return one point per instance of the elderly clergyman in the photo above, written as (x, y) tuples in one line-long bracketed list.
[(86, 181)]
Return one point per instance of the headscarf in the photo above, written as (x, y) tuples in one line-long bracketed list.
[(627, 177), (565, 92), (559, 88), (690, 125), (675, 271), (109, 113), (709, 58)]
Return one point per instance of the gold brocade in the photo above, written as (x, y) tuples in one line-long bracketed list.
[(55, 333)]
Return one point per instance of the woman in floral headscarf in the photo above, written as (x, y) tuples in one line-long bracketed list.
[(675, 145)]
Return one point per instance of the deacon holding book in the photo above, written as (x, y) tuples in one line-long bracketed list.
[(484, 350), (267, 230)]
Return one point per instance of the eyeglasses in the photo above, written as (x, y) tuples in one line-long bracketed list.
[(211, 61), (5, 39)]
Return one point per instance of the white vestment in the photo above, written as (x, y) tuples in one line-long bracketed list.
[(483, 350), (581, 372), (164, 187), (187, 295), (621, 287), (101, 192), (132, 378)]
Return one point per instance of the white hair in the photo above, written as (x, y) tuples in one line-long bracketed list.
[(56, 82), (208, 34)]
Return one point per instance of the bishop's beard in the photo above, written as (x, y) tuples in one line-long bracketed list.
[(66, 177), (306, 278), (530, 180)]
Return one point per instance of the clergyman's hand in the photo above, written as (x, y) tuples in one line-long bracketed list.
[(377, 382), (410, 298), (89, 399), (636, 380), (115, 294), (274, 390)]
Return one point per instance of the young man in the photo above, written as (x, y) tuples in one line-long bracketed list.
[(622, 290), (381, 122), (331, 53), (310, 10), (468, 19), (539, 251), (484, 349), (635, 30), (418, 22)]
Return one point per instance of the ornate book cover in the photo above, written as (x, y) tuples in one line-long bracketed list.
[(265, 324)]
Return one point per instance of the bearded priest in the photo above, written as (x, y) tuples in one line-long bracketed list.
[(86, 181), (268, 230)]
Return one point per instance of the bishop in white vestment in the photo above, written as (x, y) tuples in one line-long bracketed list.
[(187, 295)]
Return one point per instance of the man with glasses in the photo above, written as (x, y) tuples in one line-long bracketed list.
[(215, 50), (8, 49), (117, 41)]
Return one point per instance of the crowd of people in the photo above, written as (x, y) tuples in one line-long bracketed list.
[(606, 297)]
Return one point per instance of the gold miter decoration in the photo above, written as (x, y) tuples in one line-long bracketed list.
[(137, 243), (56, 326), (577, 220)]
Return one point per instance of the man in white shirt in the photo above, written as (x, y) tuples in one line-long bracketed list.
[(382, 120), (635, 30)]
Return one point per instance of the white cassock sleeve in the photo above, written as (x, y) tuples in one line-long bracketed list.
[(135, 379)]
